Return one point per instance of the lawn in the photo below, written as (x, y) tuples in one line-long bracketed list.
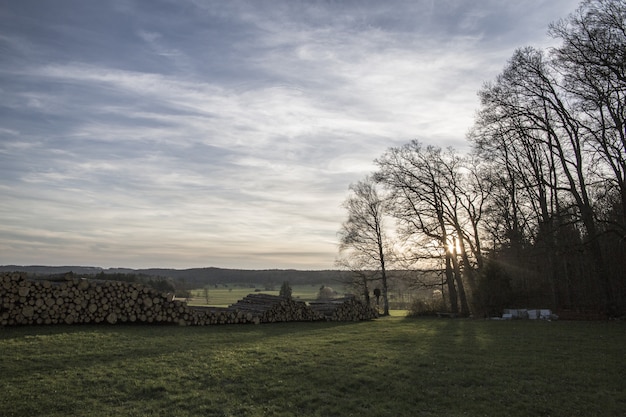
[(387, 367), (223, 296)]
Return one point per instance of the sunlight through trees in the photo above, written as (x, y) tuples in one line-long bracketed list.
[(537, 206)]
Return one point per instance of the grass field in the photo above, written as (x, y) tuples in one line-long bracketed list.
[(392, 366), (222, 296)]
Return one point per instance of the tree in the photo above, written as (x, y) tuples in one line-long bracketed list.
[(361, 274), (438, 205), (555, 124), (206, 293), (544, 187), (515, 130), (285, 290), (362, 235), (325, 293), (592, 59)]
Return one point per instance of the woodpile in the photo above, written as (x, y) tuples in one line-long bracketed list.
[(77, 300), (344, 309), (274, 308)]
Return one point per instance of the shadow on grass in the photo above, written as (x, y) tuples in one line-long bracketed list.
[(106, 344), (523, 367), (387, 367)]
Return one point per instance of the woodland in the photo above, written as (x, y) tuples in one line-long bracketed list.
[(532, 215)]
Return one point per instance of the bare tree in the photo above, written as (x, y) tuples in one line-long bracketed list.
[(556, 125), (514, 131), (362, 273), (362, 235), (545, 185), (437, 210), (592, 59)]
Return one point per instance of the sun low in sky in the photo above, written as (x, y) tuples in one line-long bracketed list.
[(196, 133)]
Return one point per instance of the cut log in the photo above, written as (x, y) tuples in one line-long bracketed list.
[(74, 300)]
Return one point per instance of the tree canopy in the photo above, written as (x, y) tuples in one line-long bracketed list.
[(535, 210)]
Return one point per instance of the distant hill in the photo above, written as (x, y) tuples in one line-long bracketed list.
[(51, 270), (197, 277)]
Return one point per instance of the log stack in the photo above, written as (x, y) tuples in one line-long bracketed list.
[(274, 308), (344, 309), (75, 300), (204, 316)]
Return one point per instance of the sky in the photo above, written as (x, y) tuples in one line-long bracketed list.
[(198, 133)]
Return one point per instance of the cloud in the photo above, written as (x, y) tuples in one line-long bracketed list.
[(225, 133)]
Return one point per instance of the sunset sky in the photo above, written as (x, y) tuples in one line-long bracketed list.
[(192, 133)]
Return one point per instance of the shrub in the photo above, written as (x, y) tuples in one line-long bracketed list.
[(182, 294), (325, 293), (426, 307)]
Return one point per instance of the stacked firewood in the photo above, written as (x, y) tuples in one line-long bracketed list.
[(274, 308), (344, 309), (204, 316), (75, 300)]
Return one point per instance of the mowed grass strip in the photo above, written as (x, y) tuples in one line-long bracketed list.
[(388, 367), (222, 296)]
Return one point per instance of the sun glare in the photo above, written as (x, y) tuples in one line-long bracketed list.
[(454, 246)]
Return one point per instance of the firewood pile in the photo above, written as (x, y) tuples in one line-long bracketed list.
[(274, 308), (77, 300), (204, 316), (344, 309)]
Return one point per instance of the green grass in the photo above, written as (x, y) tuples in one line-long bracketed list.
[(224, 296), (388, 367)]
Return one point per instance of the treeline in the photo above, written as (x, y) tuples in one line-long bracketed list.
[(159, 283), (533, 215), (199, 277), (187, 279)]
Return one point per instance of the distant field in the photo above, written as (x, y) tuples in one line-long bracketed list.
[(223, 296), (387, 367)]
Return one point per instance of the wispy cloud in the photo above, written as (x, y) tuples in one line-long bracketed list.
[(196, 133)]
